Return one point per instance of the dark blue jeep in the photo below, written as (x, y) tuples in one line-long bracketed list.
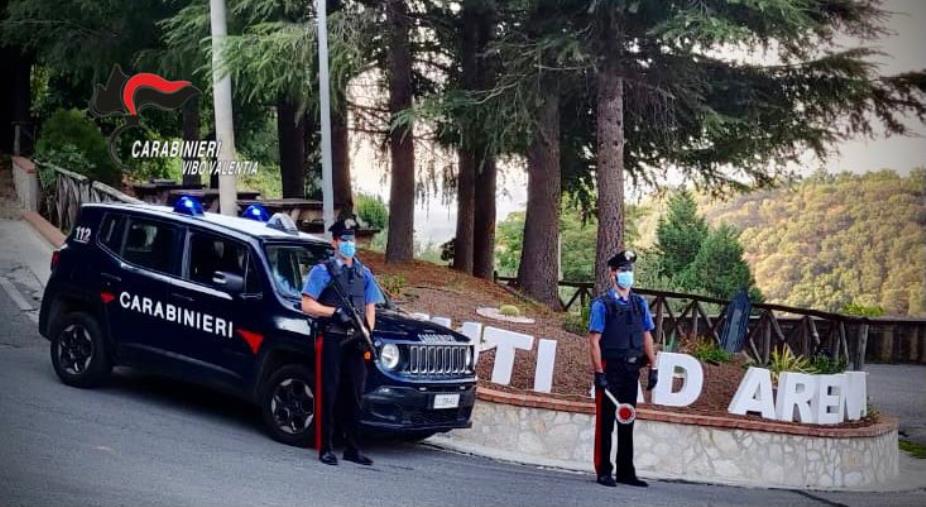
[(215, 300)]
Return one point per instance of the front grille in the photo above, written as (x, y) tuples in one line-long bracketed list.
[(433, 417), (427, 360)]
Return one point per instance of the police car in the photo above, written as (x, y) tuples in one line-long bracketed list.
[(215, 300)]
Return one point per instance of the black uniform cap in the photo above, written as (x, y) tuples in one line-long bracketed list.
[(343, 227), (623, 258)]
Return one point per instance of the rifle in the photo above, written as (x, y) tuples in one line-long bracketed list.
[(360, 323)]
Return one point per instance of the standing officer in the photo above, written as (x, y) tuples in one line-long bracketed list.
[(619, 340), (339, 353)]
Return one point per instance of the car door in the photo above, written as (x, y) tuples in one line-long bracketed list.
[(138, 279), (220, 298)]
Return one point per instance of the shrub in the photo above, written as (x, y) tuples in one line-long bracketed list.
[(825, 365), (577, 323), (393, 284), (707, 351), (785, 360), (71, 140), (509, 310), (372, 211)]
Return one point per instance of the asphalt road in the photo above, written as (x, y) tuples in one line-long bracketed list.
[(148, 441)]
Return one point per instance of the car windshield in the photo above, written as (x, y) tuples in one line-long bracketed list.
[(290, 265)]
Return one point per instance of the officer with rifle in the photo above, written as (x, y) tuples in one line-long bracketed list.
[(620, 343), (343, 292)]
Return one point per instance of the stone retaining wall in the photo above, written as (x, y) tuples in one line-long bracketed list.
[(550, 432)]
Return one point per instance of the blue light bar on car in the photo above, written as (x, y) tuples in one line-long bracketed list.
[(187, 205), (282, 222), (256, 212)]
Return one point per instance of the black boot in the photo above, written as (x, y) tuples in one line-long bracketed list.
[(633, 481), (328, 458), (355, 456), (607, 480)]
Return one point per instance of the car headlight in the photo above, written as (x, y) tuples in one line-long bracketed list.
[(469, 358), (389, 356)]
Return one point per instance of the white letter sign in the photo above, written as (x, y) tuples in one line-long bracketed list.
[(754, 394), (691, 373)]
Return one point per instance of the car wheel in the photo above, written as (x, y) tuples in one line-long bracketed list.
[(287, 404), (78, 351)]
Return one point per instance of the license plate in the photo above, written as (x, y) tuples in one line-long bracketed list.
[(446, 401)]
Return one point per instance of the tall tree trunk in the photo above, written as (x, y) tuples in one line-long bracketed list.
[(610, 173), (191, 133), (475, 245), (537, 272), (16, 101), (484, 223), (466, 194), (340, 157), (291, 134), (340, 143), (400, 242)]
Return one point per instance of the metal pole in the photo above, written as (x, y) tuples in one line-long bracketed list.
[(325, 110), (224, 123)]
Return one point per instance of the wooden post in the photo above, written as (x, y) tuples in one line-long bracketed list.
[(658, 302), (862, 345), (913, 353), (694, 319), (767, 337), (845, 343), (886, 350)]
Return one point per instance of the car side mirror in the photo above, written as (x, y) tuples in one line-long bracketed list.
[(228, 281)]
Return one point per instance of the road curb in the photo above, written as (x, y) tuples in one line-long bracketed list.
[(45, 229)]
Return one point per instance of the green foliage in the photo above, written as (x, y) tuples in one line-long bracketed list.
[(393, 284), (671, 345), (916, 449), (509, 310), (679, 234), (862, 310), (707, 351), (784, 360), (266, 181), (836, 242), (72, 141), (577, 233), (825, 365), (577, 323), (719, 269), (372, 211), (690, 256)]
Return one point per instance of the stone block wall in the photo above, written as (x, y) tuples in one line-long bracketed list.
[(753, 454)]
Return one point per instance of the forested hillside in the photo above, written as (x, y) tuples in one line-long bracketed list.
[(832, 241)]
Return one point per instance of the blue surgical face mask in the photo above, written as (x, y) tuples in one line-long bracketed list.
[(625, 279), (347, 248)]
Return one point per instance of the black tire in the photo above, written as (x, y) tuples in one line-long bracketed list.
[(287, 405), (79, 352)]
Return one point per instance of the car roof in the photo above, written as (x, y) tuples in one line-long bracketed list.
[(214, 221)]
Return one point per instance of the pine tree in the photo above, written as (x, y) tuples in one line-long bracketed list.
[(679, 234), (718, 268)]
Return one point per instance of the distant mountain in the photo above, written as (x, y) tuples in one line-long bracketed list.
[(830, 241)]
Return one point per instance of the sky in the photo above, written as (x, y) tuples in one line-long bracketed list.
[(904, 48)]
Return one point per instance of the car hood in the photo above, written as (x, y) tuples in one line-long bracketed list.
[(395, 326)]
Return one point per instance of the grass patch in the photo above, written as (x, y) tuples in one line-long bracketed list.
[(916, 449)]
